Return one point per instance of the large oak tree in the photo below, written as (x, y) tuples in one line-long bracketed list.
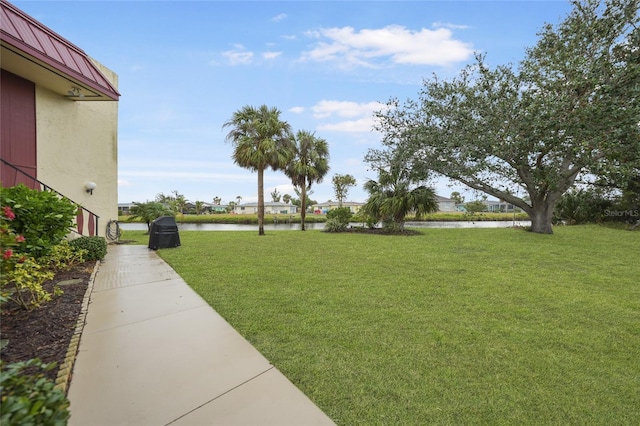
[(525, 133)]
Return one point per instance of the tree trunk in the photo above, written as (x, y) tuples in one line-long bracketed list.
[(303, 205), (261, 201), (541, 216)]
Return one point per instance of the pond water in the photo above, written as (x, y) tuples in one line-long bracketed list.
[(296, 226)]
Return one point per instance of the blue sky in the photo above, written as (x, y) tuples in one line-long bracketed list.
[(184, 67)]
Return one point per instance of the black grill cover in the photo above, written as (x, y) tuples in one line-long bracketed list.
[(164, 233)]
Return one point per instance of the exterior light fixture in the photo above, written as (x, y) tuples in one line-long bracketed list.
[(90, 186), (74, 92)]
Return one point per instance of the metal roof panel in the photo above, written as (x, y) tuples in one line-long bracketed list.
[(6, 24), (47, 45), (23, 32)]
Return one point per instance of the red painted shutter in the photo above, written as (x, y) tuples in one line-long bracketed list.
[(80, 221), (92, 225), (17, 129)]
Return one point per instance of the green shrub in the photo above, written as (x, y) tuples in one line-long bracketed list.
[(42, 217), (370, 222), (21, 275), (474, 210), (582, 206), (63, 257), (342, 214), (96, 247), (338, 219), (22, 283), (334, 225), (31, 399)]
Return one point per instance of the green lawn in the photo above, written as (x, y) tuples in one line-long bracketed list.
[(454, 326)]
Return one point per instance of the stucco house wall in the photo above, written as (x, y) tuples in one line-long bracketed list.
[(78, 143)]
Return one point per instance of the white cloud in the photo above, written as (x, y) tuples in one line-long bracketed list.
[(324, 108), (270, 55), (279, 17), (352, 126), (450, 26), (395, 44), (238, 55), (359, 116), (297, 110)]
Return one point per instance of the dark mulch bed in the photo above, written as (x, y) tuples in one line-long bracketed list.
[(45, 332)]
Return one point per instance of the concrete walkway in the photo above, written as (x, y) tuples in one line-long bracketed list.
[(153, 352)]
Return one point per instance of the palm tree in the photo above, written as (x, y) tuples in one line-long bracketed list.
[(392, 197), (199, 205), (310, 164), (260, 140), (149, 211), (179, 202), (176, 201)]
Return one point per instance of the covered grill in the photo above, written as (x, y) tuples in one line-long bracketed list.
[(164, 233)]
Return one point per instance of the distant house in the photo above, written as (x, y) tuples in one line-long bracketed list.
[(58, 119), (493, 206), (206, 208), (190, 208), (123, 208), (269, 208), (499, 206), (218, 208), (323, 208), (445, 204)]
